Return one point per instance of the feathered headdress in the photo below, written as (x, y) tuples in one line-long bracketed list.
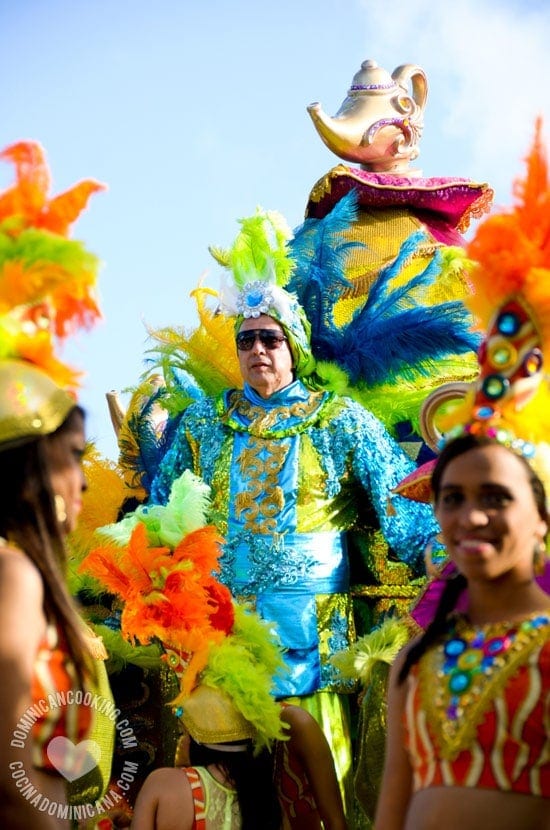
[(47, 290), (161, 561), (260, 266), (510, 400)]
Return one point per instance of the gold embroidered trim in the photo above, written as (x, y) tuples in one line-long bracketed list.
[(453, 736), (263, 421), (260, 464)]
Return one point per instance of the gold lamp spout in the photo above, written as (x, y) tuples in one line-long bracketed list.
[(380, 122), (340, 135)]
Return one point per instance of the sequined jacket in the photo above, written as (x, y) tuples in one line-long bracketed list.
[(289, 476)]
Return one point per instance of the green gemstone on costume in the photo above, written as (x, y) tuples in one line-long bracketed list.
[(470, 659)]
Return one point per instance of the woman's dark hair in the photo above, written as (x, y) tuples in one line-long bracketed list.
[(28, 519), (457, 583), (252, 777)]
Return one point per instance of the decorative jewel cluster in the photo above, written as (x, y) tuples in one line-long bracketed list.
[(466, 658), (499, 433), (509, 359), (255, 299)]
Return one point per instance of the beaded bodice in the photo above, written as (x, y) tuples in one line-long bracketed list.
[(477, 707)]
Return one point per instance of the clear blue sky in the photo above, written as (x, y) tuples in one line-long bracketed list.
[(195, 112)]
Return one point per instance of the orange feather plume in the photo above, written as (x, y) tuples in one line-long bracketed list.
[(28, 198), (511, 249)]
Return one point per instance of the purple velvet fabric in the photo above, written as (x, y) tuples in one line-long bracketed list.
[(444, 204)]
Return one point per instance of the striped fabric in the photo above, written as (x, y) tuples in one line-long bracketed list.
[(509, 749), (54, 711), (216, 805)]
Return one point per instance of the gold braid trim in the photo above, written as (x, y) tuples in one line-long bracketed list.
[(453, 736)]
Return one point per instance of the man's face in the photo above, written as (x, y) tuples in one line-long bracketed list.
[(266, 369)]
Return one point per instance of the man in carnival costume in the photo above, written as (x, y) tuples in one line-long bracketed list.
[(291, 469)]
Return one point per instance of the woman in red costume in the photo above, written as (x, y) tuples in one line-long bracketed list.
[(47, 657), (468, 700), (468, 742)]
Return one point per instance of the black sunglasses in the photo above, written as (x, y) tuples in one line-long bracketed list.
[(268, 338)]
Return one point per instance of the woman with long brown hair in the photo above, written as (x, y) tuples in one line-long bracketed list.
[(48, 659)]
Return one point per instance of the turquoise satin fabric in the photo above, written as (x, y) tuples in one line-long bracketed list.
[(295, 569), (289, 475)]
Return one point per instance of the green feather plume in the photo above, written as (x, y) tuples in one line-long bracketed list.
[(259, 251), (380, 645), (243, 666), (166, 525)]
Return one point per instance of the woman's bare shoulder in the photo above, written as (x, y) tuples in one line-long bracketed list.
[(18, 572), (22, 617)]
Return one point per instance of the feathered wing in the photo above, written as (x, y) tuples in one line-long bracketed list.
[(143, 436), (204, 356), (320, 252), (400, 344), (319, 282)]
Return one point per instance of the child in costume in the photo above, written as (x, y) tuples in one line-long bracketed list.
[(47, 287), (468, 743), (161, 561)]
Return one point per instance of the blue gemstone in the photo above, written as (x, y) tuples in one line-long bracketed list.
[(495, 646), (484, 412), (253, 299), (508, 323), (459, 682), (454, 647)]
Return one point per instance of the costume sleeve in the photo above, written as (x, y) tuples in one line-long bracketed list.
[(176, 459), (379, 463)]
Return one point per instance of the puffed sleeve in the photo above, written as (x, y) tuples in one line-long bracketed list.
[(177, 458), (379, 464)]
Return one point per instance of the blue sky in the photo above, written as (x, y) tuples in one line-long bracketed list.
[(195, 112)]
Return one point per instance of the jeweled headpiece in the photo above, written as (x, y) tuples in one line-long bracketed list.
[(510, 299), (260, 266), (47, 290), (161, 561)]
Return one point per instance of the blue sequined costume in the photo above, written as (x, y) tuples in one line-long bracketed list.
[(290, 474)]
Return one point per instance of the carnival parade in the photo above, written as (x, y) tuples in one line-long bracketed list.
[(311, 589)]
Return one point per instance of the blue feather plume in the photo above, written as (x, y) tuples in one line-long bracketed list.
[(320, 254), (393, 335)]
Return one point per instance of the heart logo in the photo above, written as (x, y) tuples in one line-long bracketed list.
[(73, 760)]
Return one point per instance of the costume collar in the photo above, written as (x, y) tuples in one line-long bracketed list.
[(285, 413), (295, 391)]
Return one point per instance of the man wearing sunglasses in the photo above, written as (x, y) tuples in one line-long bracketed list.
[(264, 355), (292, 467)]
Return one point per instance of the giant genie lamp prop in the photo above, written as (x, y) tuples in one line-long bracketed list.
[(379, 125)]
